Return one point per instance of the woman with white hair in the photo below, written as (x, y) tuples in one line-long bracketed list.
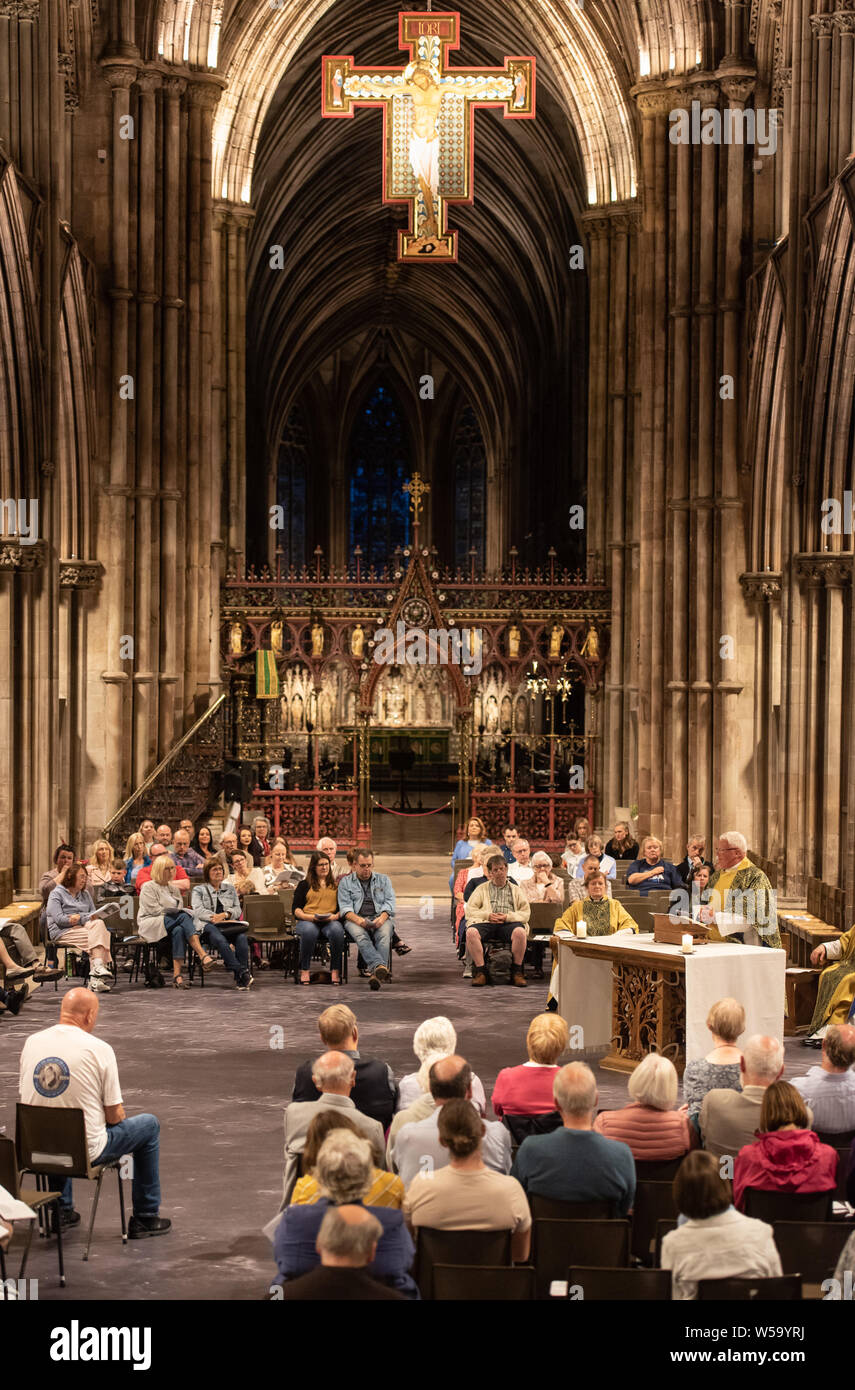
[(434, 1039), (649, 1124), (344, 1169), (543, 886)]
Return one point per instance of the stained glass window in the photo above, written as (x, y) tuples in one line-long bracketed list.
[(379, 516), (470, 481), (291, 490)]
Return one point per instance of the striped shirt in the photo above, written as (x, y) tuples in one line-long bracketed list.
[(501, 898)]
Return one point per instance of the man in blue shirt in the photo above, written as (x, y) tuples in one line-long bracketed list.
[(367, 905), (574, 1164), (829, 1089), (510, 837), (651, 873)]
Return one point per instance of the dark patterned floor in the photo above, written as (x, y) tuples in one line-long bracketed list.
[(217, 1066)]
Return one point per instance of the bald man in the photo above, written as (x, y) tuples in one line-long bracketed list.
[(416, 1148), (346, 1243), (68, 1068), (829, 1089)]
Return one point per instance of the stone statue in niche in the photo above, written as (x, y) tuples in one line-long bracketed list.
[(276, 631), (236, 639), (556, 634), (317, 639), (514, 636), (492, 715), (590, 648), (357, 641), (395, 703)]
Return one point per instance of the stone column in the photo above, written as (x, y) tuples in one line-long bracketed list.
[(235, 223), (822, 27), (146, 605), (809, 570), (702, 485), (845, 23), (681, 626), (597, 228), (837, 573), (654, 106), (114, 518), (172, 588)]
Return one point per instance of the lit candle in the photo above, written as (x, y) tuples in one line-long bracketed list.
[(688, 945), (582, 928)]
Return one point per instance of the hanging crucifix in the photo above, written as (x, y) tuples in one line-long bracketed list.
[(428, 116)]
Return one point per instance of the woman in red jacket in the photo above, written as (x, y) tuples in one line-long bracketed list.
[(649, 1124), (786, 1156)]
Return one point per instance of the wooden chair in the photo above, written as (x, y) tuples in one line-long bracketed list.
[(620, 1285), (552, 1209), (648, 1170), (522, 1126), (785, 1288), (433, 1247), (484, 1283), (52, 1142), (559, 1244), (37, 1201), (662, 1229), (788, 1206), (266, 917), (811, 1248), (654, 1202)]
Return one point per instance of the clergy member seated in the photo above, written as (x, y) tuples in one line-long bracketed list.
[(315, 909), (836, 984), (602, 915), (345, 1173), (786, 1156), (497, 911), (543, 886), (416, 1145), (573, 1163), (466, 1195), (375, 1090), (215, 907), (651, 873), (829, 1089), (742, 900), (649, 1124), (719, 1070), (347, 1244), (527, 1089), (715, 1241), (366, 903), (594, 846)]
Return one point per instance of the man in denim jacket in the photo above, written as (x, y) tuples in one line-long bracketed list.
[(366, 902)]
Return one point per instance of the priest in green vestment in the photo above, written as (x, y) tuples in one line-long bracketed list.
[(742, 900)]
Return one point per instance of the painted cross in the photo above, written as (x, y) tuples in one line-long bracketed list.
[(428, 118)]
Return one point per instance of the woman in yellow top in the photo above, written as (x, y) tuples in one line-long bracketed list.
[(315, 908), (387, 1189), (602, 914)]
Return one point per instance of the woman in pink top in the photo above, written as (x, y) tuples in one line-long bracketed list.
[(527, 1090), (786, 1156), (649, 1124)]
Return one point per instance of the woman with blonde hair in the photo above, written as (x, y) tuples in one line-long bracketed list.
[(476, 834), (719, 1069), (649, 1124), (136, 857), (162, 913), (527, 1089), (99, 870)]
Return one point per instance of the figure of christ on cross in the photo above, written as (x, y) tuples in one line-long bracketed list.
[(421, 81)]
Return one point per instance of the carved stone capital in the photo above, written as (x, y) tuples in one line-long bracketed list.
[(120, 76), (816, 569), (762, 586), (80, 574), (19, 9), (15, 556), (654, 100), (174, 86), (705, 90), (821, 25), (775, 8), (845, 22), (148, 82), (737, 89), (204, 94)]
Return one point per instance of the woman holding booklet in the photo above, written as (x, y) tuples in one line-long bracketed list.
[(73, 921)]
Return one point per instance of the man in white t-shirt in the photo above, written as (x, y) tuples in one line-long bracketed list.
[(67, 1068)]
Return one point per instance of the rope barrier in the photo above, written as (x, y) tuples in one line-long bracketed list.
[(409, 814)]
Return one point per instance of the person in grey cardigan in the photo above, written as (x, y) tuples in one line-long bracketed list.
[(162, 911), (216, 905), (69, 908)]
